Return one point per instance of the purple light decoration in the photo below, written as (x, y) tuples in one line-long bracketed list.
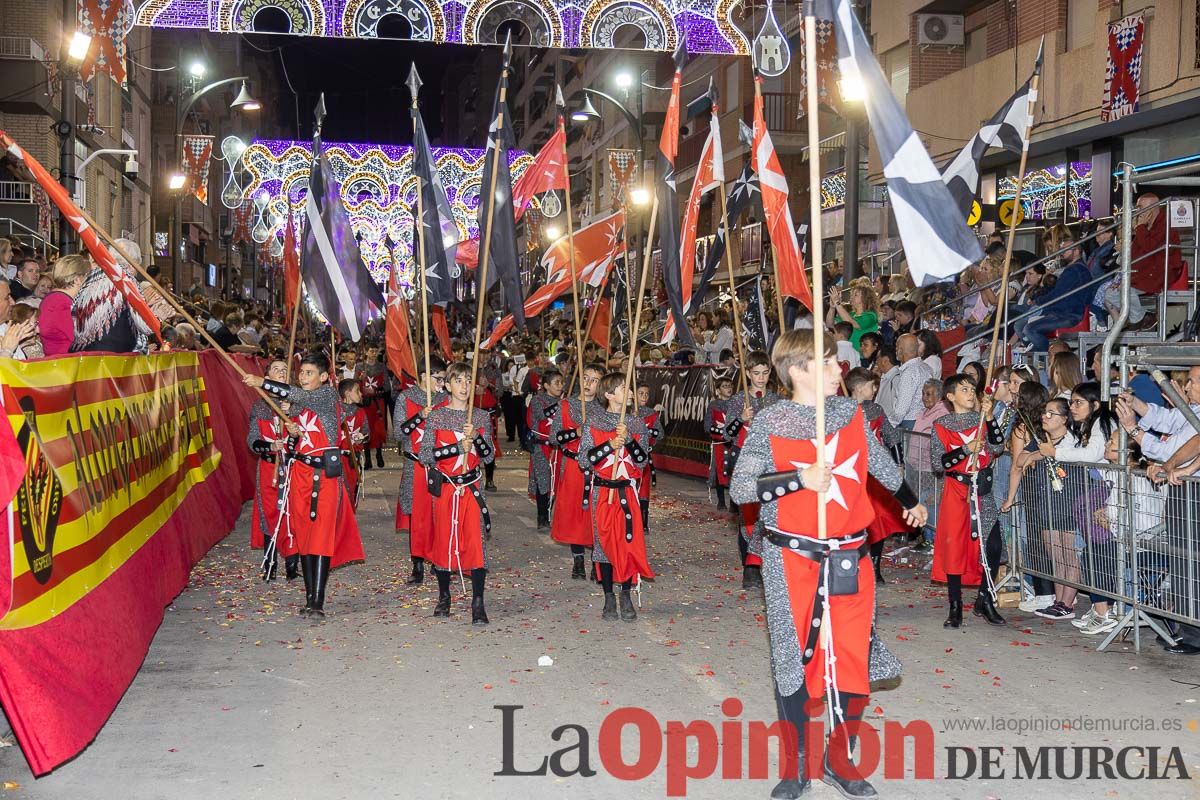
[(394, 152), (700, 23)]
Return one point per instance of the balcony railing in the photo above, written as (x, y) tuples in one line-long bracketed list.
[(16, 192), (21, 47), (779, 112)]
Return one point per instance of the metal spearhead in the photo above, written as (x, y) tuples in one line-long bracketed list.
[(414, 81)]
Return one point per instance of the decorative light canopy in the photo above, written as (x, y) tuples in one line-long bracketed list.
[(1046, 190), (377, 187), (708, 24)]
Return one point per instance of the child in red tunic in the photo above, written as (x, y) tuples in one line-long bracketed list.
[(615, 452), (414, 507), (714, 423), (654, 431), (453, 451), (321, 515), (543, 456), (354, 434), (572, 522), (967, 519), (267, 439), (486, 402)]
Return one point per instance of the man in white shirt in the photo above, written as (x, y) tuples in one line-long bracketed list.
[(722, 341), (885, 367), (908, 384)]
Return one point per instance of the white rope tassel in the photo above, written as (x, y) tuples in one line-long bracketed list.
[(284, 511), (833, 698), (452, 549), (977, 509)]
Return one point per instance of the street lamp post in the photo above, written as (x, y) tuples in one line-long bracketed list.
[(76, 51), (243, 101)]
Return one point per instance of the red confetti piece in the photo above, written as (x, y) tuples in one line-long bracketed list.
[(487, 686), (938, 671)]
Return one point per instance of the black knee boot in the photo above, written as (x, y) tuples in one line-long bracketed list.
[(851, 706), (577, 570), (418, 572), (489, 471), (320, 579), (543, 511), (442, 609), (792, 711), (306, 567), (379, 456), (628, 612), (366, 460), (478, 613), (876, 556), (954, 589), (610, 600), (720, 498), (292, 567)]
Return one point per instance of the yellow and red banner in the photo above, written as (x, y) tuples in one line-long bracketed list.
[(121, 485)]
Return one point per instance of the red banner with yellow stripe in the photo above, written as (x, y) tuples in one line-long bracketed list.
[(126, 483)]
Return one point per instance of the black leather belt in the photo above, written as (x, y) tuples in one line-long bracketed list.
[(593, 480), (468, 478), (817, 551), (983, 478)]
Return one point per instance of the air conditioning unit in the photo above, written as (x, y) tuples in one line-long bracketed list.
[(941, 29)]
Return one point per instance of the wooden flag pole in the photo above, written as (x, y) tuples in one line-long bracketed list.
[(175, 304), (628, 287), (737, 317), (419, 224), (1002, 308), (818, 282), (774, 253), (291, 351), (481, 278), (574, 275), (637, 319)]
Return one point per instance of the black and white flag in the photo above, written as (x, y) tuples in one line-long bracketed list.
[(1007, 128), (742, 194), (334, 273), (439, 231), (936, 238)]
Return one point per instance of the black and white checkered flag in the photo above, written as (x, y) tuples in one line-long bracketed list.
[(1005, 129), (936, 238)]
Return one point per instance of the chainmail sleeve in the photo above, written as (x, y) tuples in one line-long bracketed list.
[(425, 454), (936, 451), (755, 460), (258, 412), (880, 463)]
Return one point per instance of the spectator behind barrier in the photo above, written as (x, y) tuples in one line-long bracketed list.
[(56, 322)]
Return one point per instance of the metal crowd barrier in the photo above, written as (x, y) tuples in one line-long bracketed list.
[(1101, 529)]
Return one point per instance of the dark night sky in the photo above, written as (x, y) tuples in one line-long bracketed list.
[(364, 84)]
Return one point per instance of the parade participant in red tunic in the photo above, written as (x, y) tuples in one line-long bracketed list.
[(863, 384), (739, 411), (714, 423), (267, 439), (372, 375), (572, 522), (967, 511), (354, 434), (453, 452), (820, 595), (320, 513), (543, 458), (615, 454), (485, 401), (654, 431), (414, 507)]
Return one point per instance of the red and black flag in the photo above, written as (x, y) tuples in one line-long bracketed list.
[(668, 200)]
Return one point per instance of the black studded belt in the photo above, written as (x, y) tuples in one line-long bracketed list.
[(818, 551), (593, 480)]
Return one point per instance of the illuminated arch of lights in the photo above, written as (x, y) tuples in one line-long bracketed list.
[(378, 190), (709, 24)]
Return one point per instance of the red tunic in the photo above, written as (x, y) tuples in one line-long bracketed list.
[(748, 511), (889, 515), (647, 478), (486, 401), (325, 526), (352, 424), (848, 512), (265, 516), (420, 523), (457, 528), (571, 524), (375, 407), (622, 539), (716, 435), (954, 551)]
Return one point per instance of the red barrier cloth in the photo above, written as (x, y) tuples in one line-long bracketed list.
[(62, 678)]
